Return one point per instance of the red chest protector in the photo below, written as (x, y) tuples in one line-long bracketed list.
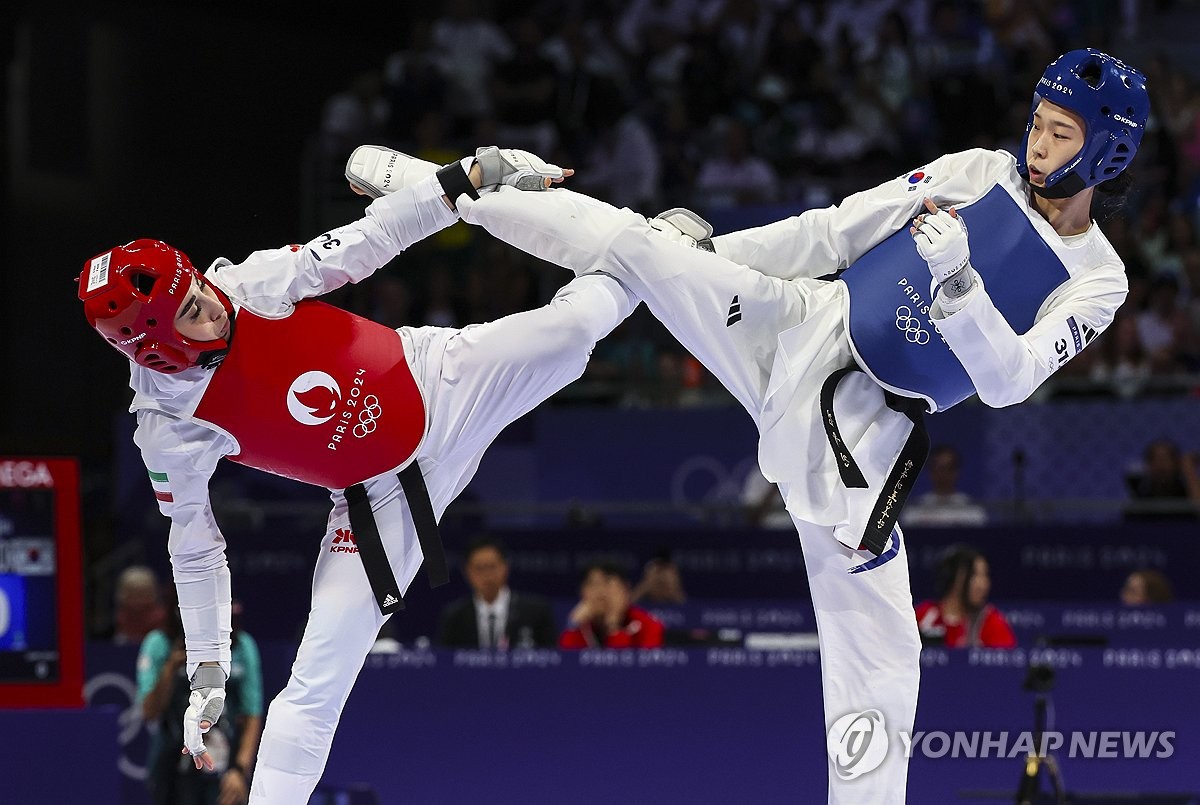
[(322, 396)]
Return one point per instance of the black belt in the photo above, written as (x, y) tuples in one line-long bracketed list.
[(904, 472), (370, 545)]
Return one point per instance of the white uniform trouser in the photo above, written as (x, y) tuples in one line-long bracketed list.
[(870, 648), (476, 381)]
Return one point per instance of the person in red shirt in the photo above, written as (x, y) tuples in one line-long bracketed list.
[(962, 617), (605, 617)]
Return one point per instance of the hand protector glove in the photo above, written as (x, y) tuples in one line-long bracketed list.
[(516, 168), (684, 226), (205, 703), (941, 240)]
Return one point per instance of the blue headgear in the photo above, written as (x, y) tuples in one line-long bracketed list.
[(1111, 98)]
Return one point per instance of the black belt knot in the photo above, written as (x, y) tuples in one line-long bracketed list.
[(904, 472)]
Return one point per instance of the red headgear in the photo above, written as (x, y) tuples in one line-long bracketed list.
[(131, 295)]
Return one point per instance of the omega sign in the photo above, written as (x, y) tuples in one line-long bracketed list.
[(25, 474)]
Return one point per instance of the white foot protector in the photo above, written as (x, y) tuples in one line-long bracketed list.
[(691, 228), (374, 170), (687, 222)]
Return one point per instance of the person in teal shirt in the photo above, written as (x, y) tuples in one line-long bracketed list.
[(163, 689)]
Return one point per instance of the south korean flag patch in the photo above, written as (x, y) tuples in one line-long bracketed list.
[(917, 179)]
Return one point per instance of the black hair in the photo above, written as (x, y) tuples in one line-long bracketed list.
[(1171, 447), (609, 567), (662, 555), (482, 541), (956, 559), (1111, 196)]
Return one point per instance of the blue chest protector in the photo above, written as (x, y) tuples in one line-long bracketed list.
[(889, 291)]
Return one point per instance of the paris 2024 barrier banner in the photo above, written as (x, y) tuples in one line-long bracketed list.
[(717, 724)]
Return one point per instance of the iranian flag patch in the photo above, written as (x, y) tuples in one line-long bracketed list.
[(162, 487)]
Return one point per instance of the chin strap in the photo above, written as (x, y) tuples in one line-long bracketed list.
[(1065, 187), (212, 358)]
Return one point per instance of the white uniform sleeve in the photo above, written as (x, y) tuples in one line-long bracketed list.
[(819, 242), (269, 282), (1006, 367), (181, 457)]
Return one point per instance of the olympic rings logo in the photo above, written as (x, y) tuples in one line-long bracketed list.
[(910, 325), (368, 417)]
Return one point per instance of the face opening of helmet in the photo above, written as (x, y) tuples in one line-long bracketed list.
[(202, 316), (1056, 138)]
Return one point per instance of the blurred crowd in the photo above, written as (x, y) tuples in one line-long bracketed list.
[(720, 104)]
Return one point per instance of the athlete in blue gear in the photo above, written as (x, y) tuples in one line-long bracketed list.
[(837, 329)]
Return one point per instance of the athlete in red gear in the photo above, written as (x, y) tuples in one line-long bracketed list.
[(241, 362)]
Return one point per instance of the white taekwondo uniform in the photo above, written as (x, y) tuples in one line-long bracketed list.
[(472, 383), (756, 314)]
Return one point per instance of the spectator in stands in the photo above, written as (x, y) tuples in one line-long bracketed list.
[(139, 607), (666, 387), (1181, 239), (1165, 328), (678, 152), (1146, 587), (735, 175), (439, 307), (944, 505), (622, 165), (584, 56), (1167, 487), (470, 46), (624, 366), (605, 617), (641, 20), (413, 80), (390, 300), (801, 79), (956, 57), (494, 616), (1124, 366), (661, 582), (524, 92), (893, 68), (358, 113), (1181, 115), (162, 691), (961, 616)]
